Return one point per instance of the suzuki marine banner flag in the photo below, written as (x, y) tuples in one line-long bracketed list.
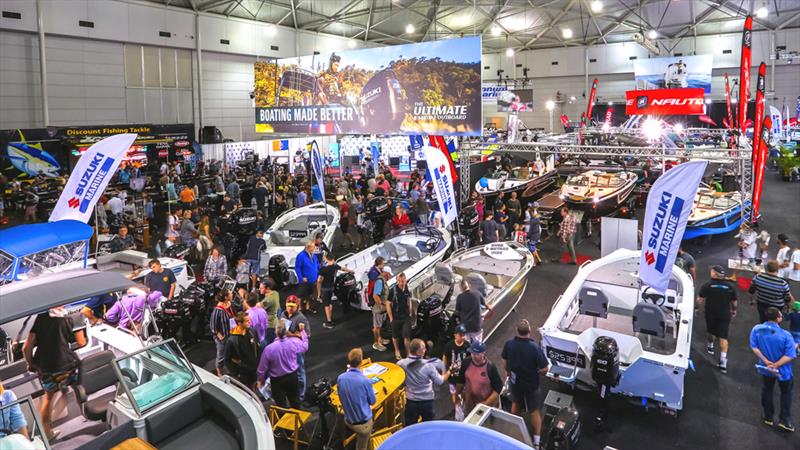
[(431, 87), (744, 72), (668, 206), (90, 177), (439, 173), (438, 142), (317, 165), (674, 72), (661, 102)]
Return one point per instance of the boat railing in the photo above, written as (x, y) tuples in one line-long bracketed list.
[(553, 306), (250, 395), (584, 264)]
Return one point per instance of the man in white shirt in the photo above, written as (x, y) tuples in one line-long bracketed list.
[(747, 243), (794, 263), (784, 256), (116, 205)]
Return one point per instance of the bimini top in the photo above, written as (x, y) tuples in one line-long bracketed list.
[(448, 435), (39, 294), (32, 238)]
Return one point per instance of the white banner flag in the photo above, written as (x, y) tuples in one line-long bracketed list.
[(90, 177), (777, 121), (439, 172), (668, 206), (317, 167)]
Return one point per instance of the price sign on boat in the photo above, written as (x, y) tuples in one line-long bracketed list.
[(501, 250)]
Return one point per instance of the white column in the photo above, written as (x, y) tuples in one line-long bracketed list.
[(42, 65), (199, 72)]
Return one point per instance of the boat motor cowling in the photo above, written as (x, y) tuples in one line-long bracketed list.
[(605, 361), (278, 270), (346, 289), (378, 208)]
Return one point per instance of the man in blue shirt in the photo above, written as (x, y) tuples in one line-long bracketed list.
[(775, 350), (357, 397), (307, 266), (11, 418)]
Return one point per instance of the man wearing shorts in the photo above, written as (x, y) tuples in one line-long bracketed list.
[(720, 298), (456, 352), (325, 285), (54, 361), (398, 307), (380, 292), (524, 361)]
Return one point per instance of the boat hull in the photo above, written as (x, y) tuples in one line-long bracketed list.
[(721, 224), (605, 205)]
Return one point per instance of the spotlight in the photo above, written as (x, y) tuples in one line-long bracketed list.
[(351, 43), (566, 33), (610, 103), (410, 29), (652, 34), (762, 12), (678, 128), (734, 101), (572, 98), (597, 6), (652, 129), (550, 105), (509, 52), (708, 101), (496, 30)]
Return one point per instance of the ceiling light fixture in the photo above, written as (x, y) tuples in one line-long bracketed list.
[(597, 6), (566, 33), (652, 34), (762, 12), (351, 43), (410, 29), (496, 31), (509, 52)]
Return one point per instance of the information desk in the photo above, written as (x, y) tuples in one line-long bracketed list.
[(389, 379)]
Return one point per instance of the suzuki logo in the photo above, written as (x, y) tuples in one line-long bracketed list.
[(641, 102), (650, 258), (441, 168), (73, 202)]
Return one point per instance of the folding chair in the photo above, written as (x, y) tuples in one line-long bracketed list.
[(291, 424)]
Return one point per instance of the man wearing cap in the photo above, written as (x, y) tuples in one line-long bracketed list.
[(524, 361), (380, 292), (455, 353), (482, 382), (421, 376), (720, 300), (769, 290), (774, 347)]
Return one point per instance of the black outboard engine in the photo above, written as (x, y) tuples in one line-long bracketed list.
[(561, 426), (186, 317), (605, 361), (468, 220), (237, 229), (278, 270), (178, 251), (433, 321), (244, 221), (382, 99), (346, 289), (378, 211)]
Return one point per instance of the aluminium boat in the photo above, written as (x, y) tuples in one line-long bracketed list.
[(652, 330), (598, 192)]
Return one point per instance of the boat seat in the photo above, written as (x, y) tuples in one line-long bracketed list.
[(412, 252), (443, 274), (649, 319), (593, 302), (95, 373), (478, 284), (279, 237), (395, 252)]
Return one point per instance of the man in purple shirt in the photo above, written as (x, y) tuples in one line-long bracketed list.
[(258, 319), (279, 363), (128, 312)]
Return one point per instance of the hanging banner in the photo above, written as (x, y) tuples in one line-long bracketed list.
[(438, 142), (609, 116), (744, 72), (442, 183), (490, 91), (432, 87), (674, 72), (758, 169), (759, 115), (728, 102), (565, 122), (668, 206), (516, 100), (777, 121), (586, 119), (513, 128), (90, 178), (661, 102), (317, 165)]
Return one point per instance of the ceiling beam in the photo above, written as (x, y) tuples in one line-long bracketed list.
[(618, 21), (594, 20), (432, 12), (294, 13), (736, 12), (369, 20), (214, 4), (551, 25), (505, 30), (786, 22), (337, 15)]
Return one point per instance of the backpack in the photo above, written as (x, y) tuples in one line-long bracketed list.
[(373, 275)]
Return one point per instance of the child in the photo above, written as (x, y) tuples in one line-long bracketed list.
[(242, 274), (794, 323), (519, 234)]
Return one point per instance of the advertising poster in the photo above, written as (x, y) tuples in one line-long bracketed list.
[(674, 72), (432, 87), (662, 102), (54, 151), (515, 100), (490, 91)]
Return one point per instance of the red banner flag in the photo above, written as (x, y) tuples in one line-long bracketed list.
[(728, 102), (758, 168), (438, 142), (660, 102), (759, 116), (706, 119), (609, 116), (587, 118), (565, 121), (744, 71)]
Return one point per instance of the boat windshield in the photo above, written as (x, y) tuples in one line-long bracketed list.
[(578, 180), (16, 418), (714, 202), (155, 374), (608, 181)]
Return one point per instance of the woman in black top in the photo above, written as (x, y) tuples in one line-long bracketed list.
[(241, 352)]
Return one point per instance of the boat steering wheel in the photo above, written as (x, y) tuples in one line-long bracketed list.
[(654, 298), (431, 244)]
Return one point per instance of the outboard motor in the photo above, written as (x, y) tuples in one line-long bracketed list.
[(186, 317), (433, 322), (346, 289), (382, 99), (468, 221), (561, 426), (378, 212), (605, 361), (178, 251), (278, 270)]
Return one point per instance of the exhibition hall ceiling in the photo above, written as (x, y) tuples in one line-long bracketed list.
[(504, 24)]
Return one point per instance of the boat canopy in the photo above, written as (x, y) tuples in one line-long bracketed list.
[(23, 299), (23, 240), (448, 435)]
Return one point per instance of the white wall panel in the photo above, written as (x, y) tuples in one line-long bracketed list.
[(26, 8)]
